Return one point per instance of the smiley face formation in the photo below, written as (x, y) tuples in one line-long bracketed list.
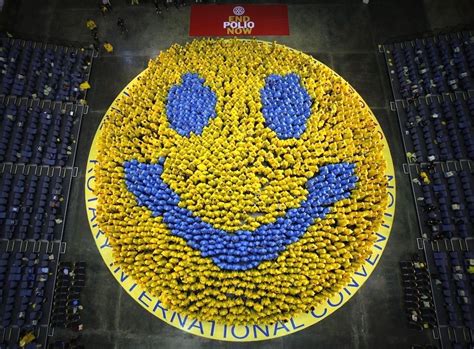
[(240, 181)]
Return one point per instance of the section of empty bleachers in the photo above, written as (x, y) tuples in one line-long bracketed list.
[(438, 128), (445, 200), (39, 133), (431, 66), (27, 275), (44, 71)]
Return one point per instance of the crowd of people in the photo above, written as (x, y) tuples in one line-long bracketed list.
[(238, 168), (105, 7), (92, 26)]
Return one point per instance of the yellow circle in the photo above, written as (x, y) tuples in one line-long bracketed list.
[(373, 239)]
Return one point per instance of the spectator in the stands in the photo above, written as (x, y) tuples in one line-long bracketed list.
[(26, 339), (432, 222), (429, 208), (84, 86), (430, 167), (424, 177), (411, 157)]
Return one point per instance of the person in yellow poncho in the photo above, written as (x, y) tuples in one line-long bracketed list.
[(27, 338), (84, 86), (424, 177), (91, 25), (108, 47), (411, 157), (147, 251)]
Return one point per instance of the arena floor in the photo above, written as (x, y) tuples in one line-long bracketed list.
[(343, 34)]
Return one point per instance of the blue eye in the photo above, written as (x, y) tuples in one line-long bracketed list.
[(286, 105), (190, 105)]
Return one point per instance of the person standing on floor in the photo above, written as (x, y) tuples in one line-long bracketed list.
[(105, 6), (157, 6), (94, 32), (122, 26), (95, 37), (90, 24)]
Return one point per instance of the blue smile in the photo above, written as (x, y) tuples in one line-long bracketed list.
[(243, 249)]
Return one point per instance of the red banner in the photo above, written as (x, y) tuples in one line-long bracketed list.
[(235, 20)]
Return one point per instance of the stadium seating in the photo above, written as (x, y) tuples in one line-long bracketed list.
[(457, 286), (27, 274), (446, 203), (431, 66), (36, 70), (67, 305), (40, 118), (417, 295), (36, 135), (31, 207), (23, 277), (432, 81), (439, 130)]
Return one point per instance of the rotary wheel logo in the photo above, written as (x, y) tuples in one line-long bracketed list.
[(243, 196), (238, 10)]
